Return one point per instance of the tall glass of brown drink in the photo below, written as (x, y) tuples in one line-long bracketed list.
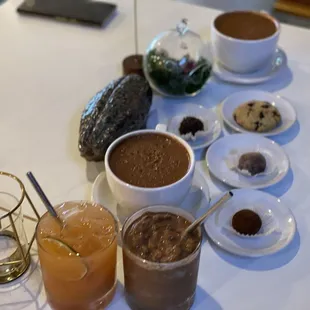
[(159, 272), (78, 259)]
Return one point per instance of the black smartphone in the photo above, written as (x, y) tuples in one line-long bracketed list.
[(96, 13)]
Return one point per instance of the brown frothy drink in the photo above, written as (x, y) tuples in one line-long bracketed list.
[(245, 25), (149, 160), (156, 237), (160, 270)]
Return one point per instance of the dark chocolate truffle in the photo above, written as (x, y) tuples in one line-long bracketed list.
[(253, 162), (190, 124), (246, 222)]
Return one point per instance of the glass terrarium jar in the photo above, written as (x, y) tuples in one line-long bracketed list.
[(177, 63)]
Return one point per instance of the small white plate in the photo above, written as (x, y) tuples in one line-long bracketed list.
[(255, 246), (220, 151), (288, 114), (197, 198), (269, 71), (161, 119)]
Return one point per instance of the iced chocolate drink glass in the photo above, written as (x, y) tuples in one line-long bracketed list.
[(160, 271)]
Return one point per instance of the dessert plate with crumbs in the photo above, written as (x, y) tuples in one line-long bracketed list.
[(197, 198), (278, 224), (249, 97), (223, 160)]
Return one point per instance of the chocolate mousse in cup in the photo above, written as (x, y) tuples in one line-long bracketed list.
[(160, 270)]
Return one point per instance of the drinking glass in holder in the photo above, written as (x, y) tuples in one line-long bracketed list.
[(14, 247)]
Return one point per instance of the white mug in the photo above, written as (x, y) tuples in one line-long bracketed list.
[(133, 198), (243, 56)]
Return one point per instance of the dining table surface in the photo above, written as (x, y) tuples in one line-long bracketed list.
[(48, 72)]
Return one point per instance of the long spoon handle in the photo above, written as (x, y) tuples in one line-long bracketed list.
[(41, 194), (196, 223)]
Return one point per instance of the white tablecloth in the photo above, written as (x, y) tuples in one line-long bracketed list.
[(49, 70)]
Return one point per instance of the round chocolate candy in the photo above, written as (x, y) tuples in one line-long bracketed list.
[(246, 222), (190, 125), (253, 162)]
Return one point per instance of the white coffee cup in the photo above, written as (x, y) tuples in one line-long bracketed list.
[(243, 56), (133, 197)]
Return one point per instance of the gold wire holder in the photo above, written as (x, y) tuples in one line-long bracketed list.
[(18, 262)]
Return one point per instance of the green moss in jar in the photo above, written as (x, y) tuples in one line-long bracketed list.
[(177, 77)]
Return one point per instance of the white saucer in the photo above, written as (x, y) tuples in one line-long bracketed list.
[(269, 71), (197, 198), (161, 119), (251, 246), (219, 154), (286, 110)]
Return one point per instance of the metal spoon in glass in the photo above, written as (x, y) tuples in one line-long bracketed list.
[(50, 209), (43, 197), (201, 219), (82, 271)]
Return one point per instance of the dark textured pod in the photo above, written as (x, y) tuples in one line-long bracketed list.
[(119, 108)]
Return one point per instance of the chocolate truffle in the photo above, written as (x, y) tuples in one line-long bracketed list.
[(253, 162), (190, 125), (246, 222)]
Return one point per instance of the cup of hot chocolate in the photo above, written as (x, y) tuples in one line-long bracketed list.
[(244, 41), (149, 167)]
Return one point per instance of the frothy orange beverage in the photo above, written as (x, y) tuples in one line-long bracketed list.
[(78, 259)]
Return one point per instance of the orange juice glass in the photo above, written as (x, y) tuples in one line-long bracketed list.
[(78, 258)]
